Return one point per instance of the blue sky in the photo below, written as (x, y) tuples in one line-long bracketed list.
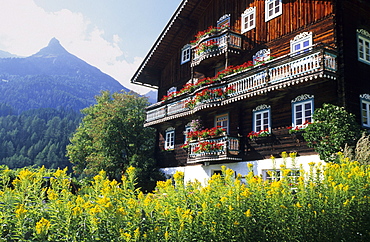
[(113, 35)]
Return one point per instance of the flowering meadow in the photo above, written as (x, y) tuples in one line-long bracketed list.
[(328, 203)]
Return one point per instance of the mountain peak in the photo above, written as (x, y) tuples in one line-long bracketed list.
[(53, 49), (54, 43)]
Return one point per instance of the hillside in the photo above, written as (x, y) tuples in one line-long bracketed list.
[(40, 102), (52, 78)]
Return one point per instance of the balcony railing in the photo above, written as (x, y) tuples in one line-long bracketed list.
[(277, 73), (216, 45), (228, 148)]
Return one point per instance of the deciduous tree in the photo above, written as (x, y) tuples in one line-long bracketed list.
[(112, 137)]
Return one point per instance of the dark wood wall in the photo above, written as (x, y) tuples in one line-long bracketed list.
[(354, 75), (298, 16)]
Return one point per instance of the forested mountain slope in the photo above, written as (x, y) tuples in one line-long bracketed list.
[(40, 102), (52, 78)]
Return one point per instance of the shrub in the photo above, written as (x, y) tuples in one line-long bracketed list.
[(332, 129)]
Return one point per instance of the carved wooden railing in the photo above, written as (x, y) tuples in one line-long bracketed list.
[(273, 72), (229, 150), (215, 45)]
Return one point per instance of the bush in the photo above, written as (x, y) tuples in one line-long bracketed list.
[(329, 203), (332, 129)]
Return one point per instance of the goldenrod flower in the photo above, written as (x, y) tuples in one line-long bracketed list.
[(166, 235), (284, 154), (96, 209), (178, 175), (20, 211), (52, 195), (76, 211), (42, 226), (248, 213)]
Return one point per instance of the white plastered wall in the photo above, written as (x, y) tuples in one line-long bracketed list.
[(202, 172)]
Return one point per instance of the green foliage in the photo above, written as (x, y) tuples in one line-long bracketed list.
[(328, 203), (37, 137), (112, 137), (332, 129)]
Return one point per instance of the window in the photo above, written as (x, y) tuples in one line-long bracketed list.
[(169, 143), (248, 19), (224, 21), (171, 90), (185, 54), (363, 39), (276, 175), (261, 118), (223, 122), (301, 43), (365, 110), (187, 130), (302, 108), (261, 55), (271, 175), (273, 8)]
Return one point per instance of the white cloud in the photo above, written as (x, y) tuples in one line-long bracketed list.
[(25, 28)]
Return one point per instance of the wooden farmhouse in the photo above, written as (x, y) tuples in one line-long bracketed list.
[(234, 76)]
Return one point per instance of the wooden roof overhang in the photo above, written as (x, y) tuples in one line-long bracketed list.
[(169, 42)]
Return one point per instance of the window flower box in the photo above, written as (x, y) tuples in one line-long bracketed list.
[(297, 131), (262, 137)]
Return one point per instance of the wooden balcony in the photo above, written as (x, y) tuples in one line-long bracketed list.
[(216, 44), (219, 149), (275, 74)]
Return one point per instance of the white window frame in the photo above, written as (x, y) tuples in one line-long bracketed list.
[(302, 101), (273, 177), (186, 131), (261, 55), (248, 19), (169, 141), (222, 121), (185, 54), (303, 41), (278, 174), (276, 6), (224, 20), (365, 110), (171, 90), (264, 112), (363, 46)]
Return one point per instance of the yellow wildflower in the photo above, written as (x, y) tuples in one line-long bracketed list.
[(293, 155), (42, 226), (178, 175), (248, 213), (76, 211), (284, 154), (52, 195), (96, 209), (166, 235), (20, 211), (298, 205), (121, 211)]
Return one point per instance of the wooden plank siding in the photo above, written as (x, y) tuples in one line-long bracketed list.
[(297, 16)]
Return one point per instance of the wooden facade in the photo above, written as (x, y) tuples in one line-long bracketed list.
[(328, 71)]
